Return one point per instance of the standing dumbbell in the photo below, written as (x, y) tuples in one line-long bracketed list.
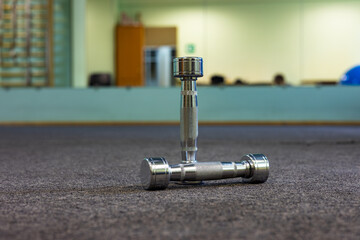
[(156, 173), (188, 69)]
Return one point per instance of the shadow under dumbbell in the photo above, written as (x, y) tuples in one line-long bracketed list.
[(208, 184)]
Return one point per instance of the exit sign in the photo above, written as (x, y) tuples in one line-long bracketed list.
[(190, 48)]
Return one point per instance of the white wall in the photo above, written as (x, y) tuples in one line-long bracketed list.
[(331, 38), (101, 16), (254, 40)]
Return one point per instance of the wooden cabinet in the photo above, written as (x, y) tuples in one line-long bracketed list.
[(129, 62)]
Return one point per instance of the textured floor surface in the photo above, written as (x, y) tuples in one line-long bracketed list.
[(82, 183)]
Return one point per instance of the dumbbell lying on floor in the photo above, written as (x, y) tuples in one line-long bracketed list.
[(156, 173)]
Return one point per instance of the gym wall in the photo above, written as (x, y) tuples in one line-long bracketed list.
[(254, 40)]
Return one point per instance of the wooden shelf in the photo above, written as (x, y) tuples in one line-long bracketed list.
[(22, 25), (23, 54), (22, 16), (8, 7), (23, 44), (21, 74), (7, 84), (10, 35), (22, 64)]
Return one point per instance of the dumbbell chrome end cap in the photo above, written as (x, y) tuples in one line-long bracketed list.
[(259, 168), (188, 67), (155, 173)]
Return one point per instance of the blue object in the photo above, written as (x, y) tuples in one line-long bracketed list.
[(351, 77)]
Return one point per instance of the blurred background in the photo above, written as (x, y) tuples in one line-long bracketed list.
[(111, 60)]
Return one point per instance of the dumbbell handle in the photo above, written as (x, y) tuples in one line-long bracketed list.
[(188, 120), (209, 171)]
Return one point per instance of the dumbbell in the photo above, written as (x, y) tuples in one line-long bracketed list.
[(188, 69), (156, 173)]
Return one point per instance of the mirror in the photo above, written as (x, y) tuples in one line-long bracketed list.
[(291, 43), (263, 42)]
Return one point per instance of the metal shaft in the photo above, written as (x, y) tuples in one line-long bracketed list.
[(188, 69), (201, 171), (188, 120), (156, 173)]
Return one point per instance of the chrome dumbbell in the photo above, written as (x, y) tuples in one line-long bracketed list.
[(156, 173), (188, 69)]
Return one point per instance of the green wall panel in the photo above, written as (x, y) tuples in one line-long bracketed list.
[(62, 43), (162, 104)]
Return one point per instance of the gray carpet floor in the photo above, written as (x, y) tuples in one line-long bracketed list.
[(82, 183)]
